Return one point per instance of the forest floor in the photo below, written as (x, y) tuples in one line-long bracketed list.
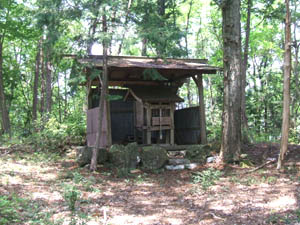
[(42, 188)]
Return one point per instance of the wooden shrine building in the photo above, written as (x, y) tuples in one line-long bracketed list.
[(154, 111), (143, 97)]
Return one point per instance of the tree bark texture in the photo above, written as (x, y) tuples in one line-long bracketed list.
[(199, 82), (231, 124), (244, 120), (102, 100), (36, 82), (3, 107), (286, 88)]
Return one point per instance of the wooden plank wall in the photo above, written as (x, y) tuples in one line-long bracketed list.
[(187, 129), (122, 121), (92, 127)]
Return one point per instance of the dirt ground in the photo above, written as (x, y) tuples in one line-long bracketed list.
[(266, 196)]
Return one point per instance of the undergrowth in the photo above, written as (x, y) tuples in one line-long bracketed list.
[(16, 210), (206, 178)]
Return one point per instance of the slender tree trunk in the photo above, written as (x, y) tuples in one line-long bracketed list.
[(244, 76), (296, 46), (3, 107), (48, 87), (66, 97), (42, 102), (161, 7), (187, 28), (59, 99), (102, 100), (296, 75), (125, 24), (144, 47), (36, 82), (199, 82), (187, 52), (286, 87), (231, 126)]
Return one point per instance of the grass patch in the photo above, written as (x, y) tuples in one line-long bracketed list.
[(206, 178), (16, 210)]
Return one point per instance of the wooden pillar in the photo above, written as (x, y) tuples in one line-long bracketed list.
[(89, 93), (108, 117), (148, 114), (160, 121), (199, 82), (172, 109)]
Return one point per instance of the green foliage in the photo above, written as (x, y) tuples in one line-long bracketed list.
[(8, 213), (159, 27), (152, 74), (54, 135), (71, 196), (15, 210), (70, 27), (206, 178)]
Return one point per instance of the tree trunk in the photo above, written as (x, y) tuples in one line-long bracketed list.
[(199, 82), (244, 76), (59, 99), (66, 97), (187, 28), (144, 47), (102, 100), (42, 102), (286, 88), (125, 24), (48, 88), (161, 7), (231, 124), (36, 82), (3, 107), (296, 46)]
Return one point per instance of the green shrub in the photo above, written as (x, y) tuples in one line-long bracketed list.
[(16, 210), (54, 135), (206, 178), (8, 213), (71, 196)]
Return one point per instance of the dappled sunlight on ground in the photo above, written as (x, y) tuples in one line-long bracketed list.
[(167, 198)]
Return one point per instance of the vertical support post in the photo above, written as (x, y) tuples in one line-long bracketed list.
[(172, 109), (108, 117), (89, 94), (160, 124), (199, 82), (134, 122), (148, 111)]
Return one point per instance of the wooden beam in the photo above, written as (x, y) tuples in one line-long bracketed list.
[(199, 82), (148, 134), (157, 128), (172, 141)]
